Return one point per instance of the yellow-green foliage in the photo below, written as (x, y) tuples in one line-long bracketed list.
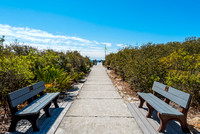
[(183, 71), (21, 66), (175, 64)]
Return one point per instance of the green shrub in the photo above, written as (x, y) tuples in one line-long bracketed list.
[(22, 65), (174, 63)]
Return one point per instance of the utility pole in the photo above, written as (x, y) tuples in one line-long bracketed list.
[(105, 51)]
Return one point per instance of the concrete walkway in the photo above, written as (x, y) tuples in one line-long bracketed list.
[(99, 109)]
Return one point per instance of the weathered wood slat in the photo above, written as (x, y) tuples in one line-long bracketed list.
[(38, 84), (18, 93), (144, 120), (149, 100), (38, 104), (151, 121), (157, 106), (172, 97), (24, 94), (172, 94), (21, 99), (138, 119), (50, 98), (171, 127), (184, 97), (160, 105), (33, 106), (178, 93), (38, 90), (159, 85)]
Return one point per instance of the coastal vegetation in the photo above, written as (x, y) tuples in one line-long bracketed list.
[(176, 64), (22, 65)]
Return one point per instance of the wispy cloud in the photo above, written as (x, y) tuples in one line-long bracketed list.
[(107, 44), (44, 40), (121, 45)]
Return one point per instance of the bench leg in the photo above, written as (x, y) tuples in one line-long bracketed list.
[(34, 121), (183, 122), (150, 110), (163, 122), (46, 109), (141, 102), (13, 124), (55, 102), (165, 119)]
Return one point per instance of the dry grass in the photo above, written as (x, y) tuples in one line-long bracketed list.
[(5, 119)]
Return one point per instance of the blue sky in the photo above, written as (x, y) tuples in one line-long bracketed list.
[(89, 25)]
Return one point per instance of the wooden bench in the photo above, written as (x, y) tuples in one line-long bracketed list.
[(166, 112), (36, 99)]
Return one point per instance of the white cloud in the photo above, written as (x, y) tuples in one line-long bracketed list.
[(125, 46), (119, 45), (107, 44), (44, 40), (96, 54), (122, 45)]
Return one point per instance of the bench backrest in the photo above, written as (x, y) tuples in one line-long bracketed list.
[(181, 98), (19, 96), (38, 87)]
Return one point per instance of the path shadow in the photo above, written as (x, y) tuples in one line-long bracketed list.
[(68, 94), (73, 90)]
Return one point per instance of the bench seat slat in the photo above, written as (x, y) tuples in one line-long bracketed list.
[(159, 105), (172, 97), (34, 105), (146, 97), (50, 97), (38, 104), (168, 109)]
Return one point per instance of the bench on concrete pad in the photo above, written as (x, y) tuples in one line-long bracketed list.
[(36, 98), (166, 112)]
